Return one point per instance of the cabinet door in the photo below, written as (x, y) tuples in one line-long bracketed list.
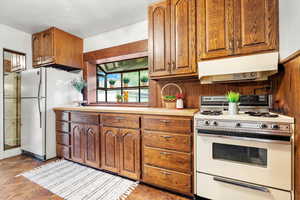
[(77, 142), (215, 28), (183, 36), (130, 153), (256, 23), (110, 150), (159, 39), (47, 47), (36, 49), (92, 145)]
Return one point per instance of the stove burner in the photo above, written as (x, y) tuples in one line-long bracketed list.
[(211, 112), (261, 114)]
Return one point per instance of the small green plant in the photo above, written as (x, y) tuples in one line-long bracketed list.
[(78, 84), (112, 81), (119, 97), (233, 97), (169, 98), (126, 80), (144, 79)]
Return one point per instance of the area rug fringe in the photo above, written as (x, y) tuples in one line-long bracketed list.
[(129, 191)]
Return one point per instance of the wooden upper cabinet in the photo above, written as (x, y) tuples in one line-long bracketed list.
[(110, 149), (215, 28), (256, 23), (77, 141), (36, 49), (159, 39), (58, 48), (92, 145), (130, 153), (183, 36)]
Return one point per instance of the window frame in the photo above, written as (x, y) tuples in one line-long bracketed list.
[(121, 88)]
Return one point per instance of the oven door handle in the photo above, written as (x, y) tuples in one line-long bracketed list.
[(245, 138), (240, 184)]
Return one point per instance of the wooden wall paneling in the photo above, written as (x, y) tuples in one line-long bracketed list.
[(125, 49)]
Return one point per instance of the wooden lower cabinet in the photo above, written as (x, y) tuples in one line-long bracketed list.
[(85, 144), (121, 151), (110, 149)]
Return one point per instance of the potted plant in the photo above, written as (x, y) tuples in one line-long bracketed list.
[(126, 80), (119, 98), (170, 101), (112, 83), (79, 85), (179, 101), (233, 98), (144, 80)]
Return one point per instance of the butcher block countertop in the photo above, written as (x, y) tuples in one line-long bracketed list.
[(130, 110)]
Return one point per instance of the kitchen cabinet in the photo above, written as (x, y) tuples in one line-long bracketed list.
[(92, 145), (236, 27), (57, 48), (172, 38), (121, 151), (77, 141)]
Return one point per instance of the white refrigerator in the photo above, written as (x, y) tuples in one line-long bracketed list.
[(43, 89)]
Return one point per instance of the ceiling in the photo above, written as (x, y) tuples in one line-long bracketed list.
[(83, 18)]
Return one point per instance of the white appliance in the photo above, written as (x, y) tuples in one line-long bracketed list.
[(41, 90), (247, 156)]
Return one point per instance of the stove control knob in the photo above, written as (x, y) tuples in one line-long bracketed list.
[(238, 125), (215, 123), (275, 126), (263, 126), (206, 123)]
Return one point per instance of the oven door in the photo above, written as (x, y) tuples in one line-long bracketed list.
[(249, 160)]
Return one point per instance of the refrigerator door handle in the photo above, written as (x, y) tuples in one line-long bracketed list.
[(39, 97)]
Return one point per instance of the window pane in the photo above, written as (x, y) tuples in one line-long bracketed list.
[(112, 95), (144, 77), (113, 78), (101, 96), (125, 65), (133, 95), (101, 81), (144, 95), (133, 78)]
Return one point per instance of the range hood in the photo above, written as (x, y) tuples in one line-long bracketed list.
[(239, 69)]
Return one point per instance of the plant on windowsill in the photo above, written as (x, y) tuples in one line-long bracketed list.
[(144, 81), (126, 80), (112, 83), (119, 98), (233, 98), (79, 85)]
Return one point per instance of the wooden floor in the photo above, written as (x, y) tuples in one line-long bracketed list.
[(19, 188)]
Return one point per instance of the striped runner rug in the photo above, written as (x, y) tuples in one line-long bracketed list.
[(72, 181)]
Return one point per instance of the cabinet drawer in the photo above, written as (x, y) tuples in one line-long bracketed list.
[(62, 138), (119, 120), (177, 161), (171, 124), (62, 126), (168, 179), (86, 118), (63, 151), (167, 141), (62, 116), (214, 188)]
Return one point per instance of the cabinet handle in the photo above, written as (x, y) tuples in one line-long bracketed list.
[(164, 121), (165, 173), (231, 45), (119, 118), (165, 153), (166, 136)]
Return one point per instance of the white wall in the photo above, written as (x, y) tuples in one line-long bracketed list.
[(127, 34), (16, 40), (289, 25)]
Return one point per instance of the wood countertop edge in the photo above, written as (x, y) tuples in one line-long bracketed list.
[(148, 111)]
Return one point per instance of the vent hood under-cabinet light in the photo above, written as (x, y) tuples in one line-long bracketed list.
[(238, 69)]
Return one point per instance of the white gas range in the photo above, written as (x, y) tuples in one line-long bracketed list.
[(245, 157)]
